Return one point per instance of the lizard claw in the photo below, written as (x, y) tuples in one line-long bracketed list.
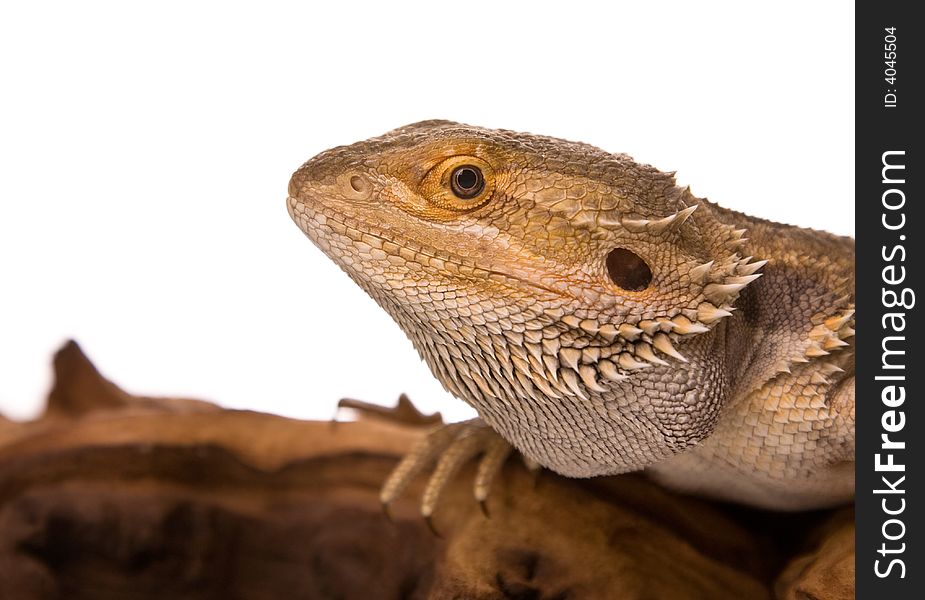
[(433, 529), (449, 448)]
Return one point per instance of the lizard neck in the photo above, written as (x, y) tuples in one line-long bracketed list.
[(809, 277)]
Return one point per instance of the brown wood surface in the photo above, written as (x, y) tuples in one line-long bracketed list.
[(113, 496)]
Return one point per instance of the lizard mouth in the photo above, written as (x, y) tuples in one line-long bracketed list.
[(322, 223)]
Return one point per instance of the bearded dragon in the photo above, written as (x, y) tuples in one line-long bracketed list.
[(598, 317)]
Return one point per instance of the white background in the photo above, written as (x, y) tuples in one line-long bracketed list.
[(145, 152)]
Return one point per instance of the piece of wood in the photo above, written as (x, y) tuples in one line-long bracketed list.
[(826, 568), (112, 496)]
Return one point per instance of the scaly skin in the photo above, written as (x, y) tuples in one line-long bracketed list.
[(714, 380)]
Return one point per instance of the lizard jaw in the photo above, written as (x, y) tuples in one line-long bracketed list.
[(324, 225)]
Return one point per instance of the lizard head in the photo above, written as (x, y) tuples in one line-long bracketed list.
[(571, 295)]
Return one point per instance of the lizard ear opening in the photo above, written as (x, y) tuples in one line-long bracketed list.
[(628, 270)]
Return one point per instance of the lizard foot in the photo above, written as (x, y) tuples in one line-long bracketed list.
[(449, 447)]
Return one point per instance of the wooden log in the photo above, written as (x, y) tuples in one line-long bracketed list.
[(113, 496)]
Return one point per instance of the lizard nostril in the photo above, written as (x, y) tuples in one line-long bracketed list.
[(359, 184)]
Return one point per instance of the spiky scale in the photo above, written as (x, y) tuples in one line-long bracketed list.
[(707, 313), (744, 279), (635, 225), (684, 326), (526, 384), (719, 293), (589, 326), (837, 322), (819, 379), (572, 321), (610, 371), (521, 365), (665, 324), (552, 365), (629, 332), (570, 357), (570, 378), (834, 343), (672, 221), (608, 332), (543, 384), (590, 355), (830, 369), (660, 225), (649, 327), (815, 350), (589, 378), (749, 268), (819, 333), (551, 346), (683, 215), (663, 344), (699, 273), (644, 351), (534, 336), (628, 362)]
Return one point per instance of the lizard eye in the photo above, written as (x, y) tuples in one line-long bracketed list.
[(628, 270), (458, 184), (467, 182)]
